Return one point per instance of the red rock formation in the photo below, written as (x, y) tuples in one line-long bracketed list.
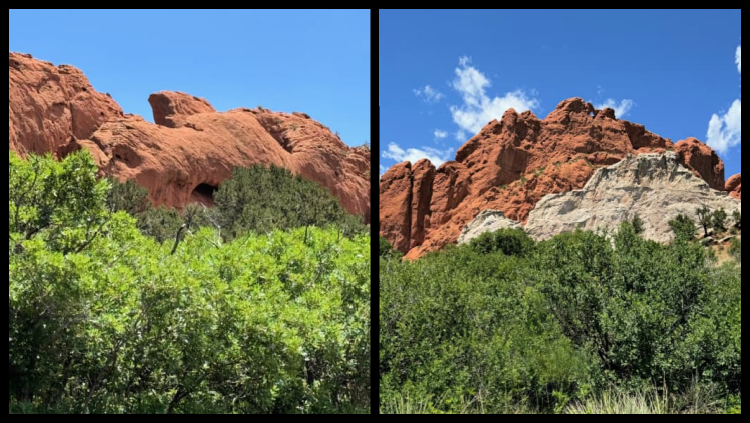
[(171, 108), (734, 186), (512, 163), (703, 161), (189, 151), (423, 175), (395, 213), (48, 105)]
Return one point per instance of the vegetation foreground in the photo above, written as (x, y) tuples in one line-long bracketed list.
[(584, 323), (105, 319)]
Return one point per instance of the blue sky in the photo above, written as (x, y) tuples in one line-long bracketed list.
[(317, 62), (444, 74)]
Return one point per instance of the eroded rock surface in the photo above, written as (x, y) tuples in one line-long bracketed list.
[(189, 151), (514, 162), (656, 187), (486, 221)]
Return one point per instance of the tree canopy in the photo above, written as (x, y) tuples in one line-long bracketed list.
[(104, 319)]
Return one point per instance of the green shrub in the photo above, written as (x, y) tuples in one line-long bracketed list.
[(550, 327), (63, 204), (387, 250), (719, 220), (105, 320), (683, 228), (637, 223), (735, 249), (261, 199), (705, 219), (643, 324), (511, 242), (458, 324)]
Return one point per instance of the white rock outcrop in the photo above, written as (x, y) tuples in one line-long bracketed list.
[(486, 221), (655, 187)]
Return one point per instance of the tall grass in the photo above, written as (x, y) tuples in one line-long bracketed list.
[(615, 402), (406, 405), (696, 400)]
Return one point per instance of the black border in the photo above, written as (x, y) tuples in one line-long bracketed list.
[(375, 282), (375, 235)]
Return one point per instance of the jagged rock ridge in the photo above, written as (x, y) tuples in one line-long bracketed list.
[(655, 187), (189, 151), (512, 163)]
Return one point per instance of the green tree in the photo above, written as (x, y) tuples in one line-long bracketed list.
[(683, 227), (705, 218), (719, 221), (735, 249), (61, 203), (737, 215), (637, 223), (511, 242), (387, 250), (122, 324), (640, 324), (260, 199), (127, 196)]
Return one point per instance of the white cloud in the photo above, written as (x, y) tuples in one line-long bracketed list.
[(460, 136), (429, 94), (437, 157), (382, 171), (725, 131), (739, 69), (478, 108), (440, 134), (621, 110)]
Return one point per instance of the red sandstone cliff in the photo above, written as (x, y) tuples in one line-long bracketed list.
[(734, 186), (189, 150), (511, 164)]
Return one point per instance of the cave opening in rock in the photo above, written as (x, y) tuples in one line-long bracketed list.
[(204, 194)]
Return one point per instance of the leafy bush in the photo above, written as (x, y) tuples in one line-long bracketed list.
[(565, 318), (643, 324), (62, 204), (387, 250), (511, 242), (461, 325), (637, 223), (258, 199), (719, 221), (683, 228), (160, 223), (105, 320), (735, 249), (261, 199)]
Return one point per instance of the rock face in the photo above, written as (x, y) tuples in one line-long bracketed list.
[(734, 186), (703, 160), (410, 188), (50, 104), (171, 108), (512, 163), (486, 221), (190, 150), (656, 187)]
